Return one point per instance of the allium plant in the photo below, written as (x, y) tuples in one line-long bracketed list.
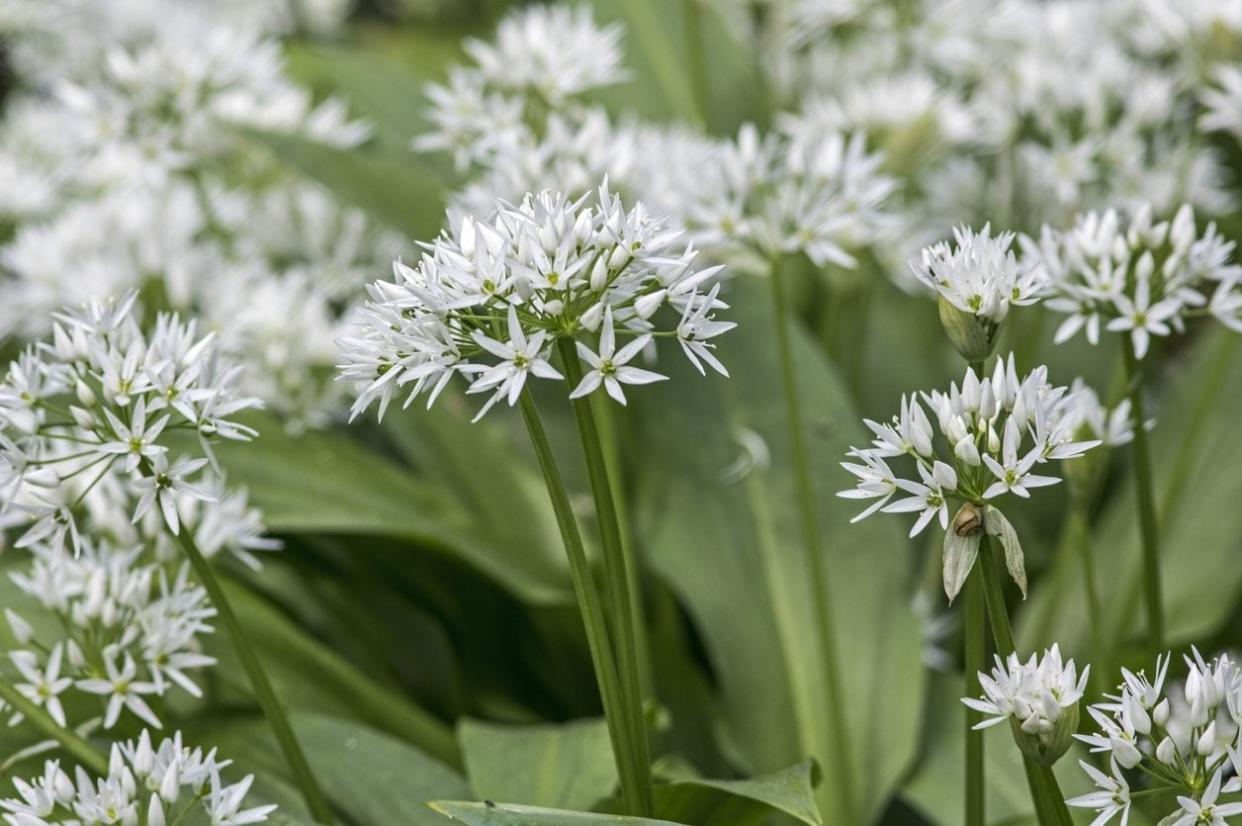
[(993, 437), (1177, 743), (1038, 697), (1142, 279), (145, 784), (541, 289), (102, 490)]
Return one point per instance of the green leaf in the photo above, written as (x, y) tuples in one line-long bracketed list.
[(506, 814), (326, 482), (732, 552), (791, 791), (562, 766), (309, 676), (1195, 455), (375, 779)]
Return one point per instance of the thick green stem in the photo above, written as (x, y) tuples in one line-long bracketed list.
[(1080, 537), (635, 775), (1145, 491), (1050, 807), (813, 550), (70, 740), (264, 694), (974, 632), (693, 18)]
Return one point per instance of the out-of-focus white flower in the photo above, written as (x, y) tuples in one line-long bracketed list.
[(1224, 102)]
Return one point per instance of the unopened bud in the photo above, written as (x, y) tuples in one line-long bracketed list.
[(974, 337)]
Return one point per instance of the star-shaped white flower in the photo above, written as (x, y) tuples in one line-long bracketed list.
[(610, 367)]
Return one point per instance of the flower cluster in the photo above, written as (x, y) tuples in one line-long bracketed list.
[(146, 785), (1039, 697), (1181, 738), (994, 434), (542, 60), (488, 300), (1143, 278), (106, 456), (155, 126)]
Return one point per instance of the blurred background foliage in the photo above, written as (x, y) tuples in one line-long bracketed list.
[(420, 621)]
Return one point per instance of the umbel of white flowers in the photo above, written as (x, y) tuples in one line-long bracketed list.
[(1187, 740), (1144, 279), (146, 785), (977, 280), (994, 433), (96, 490), (490, 298), (1038, 697)]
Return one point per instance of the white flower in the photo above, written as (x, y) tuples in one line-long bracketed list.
[(550, 269), (928, 498), (1112, 797), (43, 686), (980, 274), (1035, 693), (122, 690), (165, 484), (1205, 811), (610, 367), (1014, 474)]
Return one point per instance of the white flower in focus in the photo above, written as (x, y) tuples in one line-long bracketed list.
[(1111, 798), (979, 274), (122, 690), (43, 685), (610, 367)]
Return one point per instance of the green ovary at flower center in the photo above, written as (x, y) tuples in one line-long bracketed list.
[(607, 368), (521, 362), (135, 445), (975, 302)]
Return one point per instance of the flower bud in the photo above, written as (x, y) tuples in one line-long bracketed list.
[(974, 337), (1166, 751), (1207, 740), (1045, 744), (1160, 714), (85, 395)]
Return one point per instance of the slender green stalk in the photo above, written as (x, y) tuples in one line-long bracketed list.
[(604, 410), (974, 631), (635, 776), (813, 549), (1146, 501), (1080, 537), (70, 740), (619, 572), (1046, 794), (693, 18), (259, 682)]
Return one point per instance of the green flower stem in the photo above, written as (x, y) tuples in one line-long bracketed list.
[(1080, 536), (619, 573), (259, 682), (1050, 807), (635, 775), (834, 696), (1146, 501), (70, 740), (974, 631)]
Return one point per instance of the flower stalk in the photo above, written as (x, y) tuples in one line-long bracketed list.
[(264, 694), (1145, 491), (974, 631), (620, 571), (69, 739), (812, 544), (635, 774)]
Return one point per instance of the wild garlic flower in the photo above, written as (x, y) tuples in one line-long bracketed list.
[(1182, 736), (992, 437), (146, 785), (100, 402), (542, 59), (1039, 697), (490, 298), (1223, 102), (977, 279), (1142, 279), (797, 191), (127, 632)]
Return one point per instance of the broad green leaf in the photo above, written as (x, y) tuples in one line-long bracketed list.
[(326, 482), (1195, 454), (732, 551), (309, 676), (791, 791), (560, 766), (373, 778), (507, 814)]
